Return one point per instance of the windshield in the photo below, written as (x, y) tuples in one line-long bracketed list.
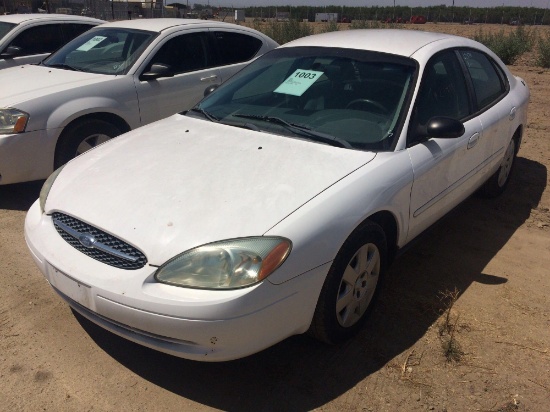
[(5, 28), (103, 51), (344, 97)]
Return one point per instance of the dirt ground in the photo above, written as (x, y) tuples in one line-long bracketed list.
[(488, 261)]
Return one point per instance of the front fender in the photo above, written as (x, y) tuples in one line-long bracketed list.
[(319, 228), (76, 108)]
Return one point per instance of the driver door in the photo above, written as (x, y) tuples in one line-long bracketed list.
[(446, 170), (35, 43), (190, 57)]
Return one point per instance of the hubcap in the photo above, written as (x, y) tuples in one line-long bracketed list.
[(506, 165), (358, 285), (90, 142)]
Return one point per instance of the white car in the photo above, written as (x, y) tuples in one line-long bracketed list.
[(110, 80), (29, 38), (274, 206)]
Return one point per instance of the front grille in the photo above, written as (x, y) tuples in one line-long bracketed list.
[(97, 244)]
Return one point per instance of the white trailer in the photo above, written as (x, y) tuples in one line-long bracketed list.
[(325, 17)]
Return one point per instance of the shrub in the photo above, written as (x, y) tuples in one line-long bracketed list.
[(330, 26), (543, 49), (257, 25), (508, 46), (373, 24), (285, 31)]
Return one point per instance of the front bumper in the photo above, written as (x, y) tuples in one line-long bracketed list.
[(194, 324), (26, 156)]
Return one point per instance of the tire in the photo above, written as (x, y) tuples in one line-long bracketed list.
[(351, 285), (498, 182), (81, 137)]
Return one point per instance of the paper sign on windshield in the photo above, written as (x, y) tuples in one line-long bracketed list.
[(298, 82), (91, 43)]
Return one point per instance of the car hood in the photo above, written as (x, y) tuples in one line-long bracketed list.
[(182, 182), (23, 83)]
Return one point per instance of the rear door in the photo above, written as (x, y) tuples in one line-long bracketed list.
[(495, 113)]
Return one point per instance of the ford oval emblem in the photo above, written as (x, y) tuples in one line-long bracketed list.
[(87, 240)]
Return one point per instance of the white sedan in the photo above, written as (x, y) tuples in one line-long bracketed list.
[(110, 80), (274, 206), (29, 38)]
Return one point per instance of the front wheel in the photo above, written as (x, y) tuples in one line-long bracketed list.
[(350, 288), (499, 180), (81, 137)]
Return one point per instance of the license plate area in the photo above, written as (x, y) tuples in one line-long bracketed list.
[(74, 289)]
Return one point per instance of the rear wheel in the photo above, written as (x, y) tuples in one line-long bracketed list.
[(499, 180), (351, 285), (81, 137)]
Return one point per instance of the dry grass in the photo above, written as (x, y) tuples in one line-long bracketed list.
[(539, 35)]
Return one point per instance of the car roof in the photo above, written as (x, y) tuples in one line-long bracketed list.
[(394, 41), (161, 24), (21, 18)]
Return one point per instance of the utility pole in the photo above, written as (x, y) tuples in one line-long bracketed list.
[(453, 15)]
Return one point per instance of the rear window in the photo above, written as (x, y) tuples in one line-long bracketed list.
[(72, 30), (236, 47), (487, 79)]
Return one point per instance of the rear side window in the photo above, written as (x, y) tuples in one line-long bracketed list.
[(39, 39), (236, 47), (488, 80)]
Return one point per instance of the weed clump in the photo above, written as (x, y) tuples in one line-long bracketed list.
[(330, 26), (451, 348), (284, 31), (543, 51), (372, 24), (508, 46), (447, 330)]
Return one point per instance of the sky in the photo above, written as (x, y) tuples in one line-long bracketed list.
[(368, 3)]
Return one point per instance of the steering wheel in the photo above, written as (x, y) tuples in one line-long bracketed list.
[(381, 109)]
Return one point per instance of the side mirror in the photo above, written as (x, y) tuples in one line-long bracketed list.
[(157, 71), (210, 89), (10, 52), (444, 128)]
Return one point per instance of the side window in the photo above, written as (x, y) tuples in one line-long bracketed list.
[(443, 90), (39, 39), (236, 47), (185, 53), (488, 83), (72, 30)]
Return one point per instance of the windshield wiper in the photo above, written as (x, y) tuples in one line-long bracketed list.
[(209, 116), (300, 130), (64, 66)]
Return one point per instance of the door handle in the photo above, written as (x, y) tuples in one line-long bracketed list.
[(512, 113), (473, 140), (209, 78)]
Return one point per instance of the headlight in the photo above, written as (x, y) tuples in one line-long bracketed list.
[(45, 191), (229, 264), (13, 121)]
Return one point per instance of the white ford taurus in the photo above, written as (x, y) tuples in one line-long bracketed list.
[(275, 205)]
